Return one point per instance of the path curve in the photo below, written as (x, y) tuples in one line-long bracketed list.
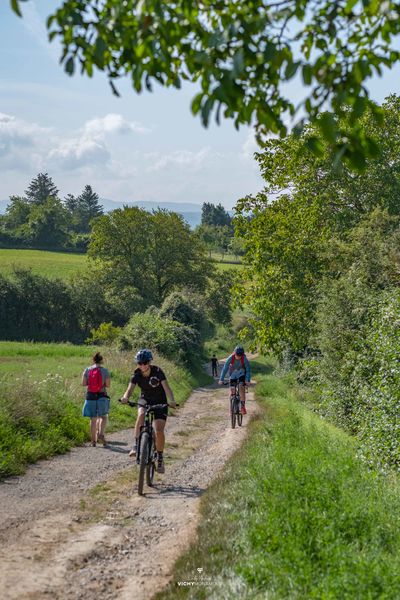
[(53, 547)]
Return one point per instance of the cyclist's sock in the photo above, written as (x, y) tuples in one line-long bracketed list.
[(160, 455)]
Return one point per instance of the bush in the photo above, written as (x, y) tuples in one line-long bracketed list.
[(172, 339), (105, 334), (187, 307)]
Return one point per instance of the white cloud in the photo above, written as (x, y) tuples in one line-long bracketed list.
[(180, 158), (79, 152), (20, 142), (90, 146), (113, 124)]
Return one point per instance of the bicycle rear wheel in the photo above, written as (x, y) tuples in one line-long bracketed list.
[(144, 453), (233, 415)]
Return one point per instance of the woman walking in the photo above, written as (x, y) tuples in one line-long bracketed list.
[(97, 404)]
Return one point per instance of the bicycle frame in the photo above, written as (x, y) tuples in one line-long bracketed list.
[(147, 462)]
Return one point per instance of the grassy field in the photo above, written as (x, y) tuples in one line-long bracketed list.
[(41, 398), (64, 264), (294, 515), (49, 264)]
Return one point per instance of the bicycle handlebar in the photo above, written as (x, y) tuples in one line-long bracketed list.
[(148, 406)]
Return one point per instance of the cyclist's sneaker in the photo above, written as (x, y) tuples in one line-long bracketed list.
[(243, 408), (133, 451), (160, 463)]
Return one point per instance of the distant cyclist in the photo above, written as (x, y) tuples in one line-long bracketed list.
[(238, 367), (97, 404), (214, 366), (154, 390)]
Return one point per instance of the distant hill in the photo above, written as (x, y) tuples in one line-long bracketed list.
[(190, 212)]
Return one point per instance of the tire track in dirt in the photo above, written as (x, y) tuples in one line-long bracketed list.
[(49, 550)]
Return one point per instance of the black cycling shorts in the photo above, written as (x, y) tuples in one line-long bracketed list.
[(233, 382), (161, 413)]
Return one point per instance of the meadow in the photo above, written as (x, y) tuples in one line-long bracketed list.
[(63, 265), (49, 264)]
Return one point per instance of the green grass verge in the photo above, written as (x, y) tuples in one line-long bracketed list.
[(60, 265), (41, 398), (221, 266), (295, 515)]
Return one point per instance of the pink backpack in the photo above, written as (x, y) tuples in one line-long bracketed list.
[(95, 380)]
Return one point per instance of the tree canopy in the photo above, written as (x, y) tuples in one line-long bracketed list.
[(305, 205), (150, 253), (242, 55)]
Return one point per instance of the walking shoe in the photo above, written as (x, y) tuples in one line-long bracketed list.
[(243, 408), (94, 444), (133, 451), (160, 466), (101, 439)]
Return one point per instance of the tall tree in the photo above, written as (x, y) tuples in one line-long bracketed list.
[(306, 202), (242, 56), (47, 224), (87, 208), (152, 253), (214, 215), (40, 189)]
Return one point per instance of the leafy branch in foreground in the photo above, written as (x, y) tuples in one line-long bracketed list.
[(242, 56)]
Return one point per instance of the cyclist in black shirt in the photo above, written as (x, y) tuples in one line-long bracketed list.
[(154, 390)]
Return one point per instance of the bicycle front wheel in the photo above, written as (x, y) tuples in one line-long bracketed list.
[(233, 415), (144, 454), (151, 467)]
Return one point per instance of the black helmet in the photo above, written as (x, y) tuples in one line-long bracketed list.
[(144, 356), (239, 350)]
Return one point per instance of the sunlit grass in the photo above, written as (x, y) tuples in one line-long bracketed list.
[(49, 264), (294, 515)]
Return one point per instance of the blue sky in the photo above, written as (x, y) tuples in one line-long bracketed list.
[(146, 147)]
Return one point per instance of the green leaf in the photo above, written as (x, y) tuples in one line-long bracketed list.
[(350, 4), (70, 66), (99, 50), (15, 7), (291, 69), (307, 74)]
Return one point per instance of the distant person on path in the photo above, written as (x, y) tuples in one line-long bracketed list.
[(154, 390), (238, 367), (214, 366), (97, 404)]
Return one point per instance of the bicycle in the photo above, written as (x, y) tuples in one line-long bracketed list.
[(235, 406), (146, 455)]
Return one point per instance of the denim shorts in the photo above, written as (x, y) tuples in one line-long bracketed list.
[(96, 408)]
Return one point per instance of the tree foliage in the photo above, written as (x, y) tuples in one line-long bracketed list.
[(305, 205), (40, 189), (214, 215), (152, 252), (242, 56), (41, 220)]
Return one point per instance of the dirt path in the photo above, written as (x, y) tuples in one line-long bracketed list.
[(73, 527)]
